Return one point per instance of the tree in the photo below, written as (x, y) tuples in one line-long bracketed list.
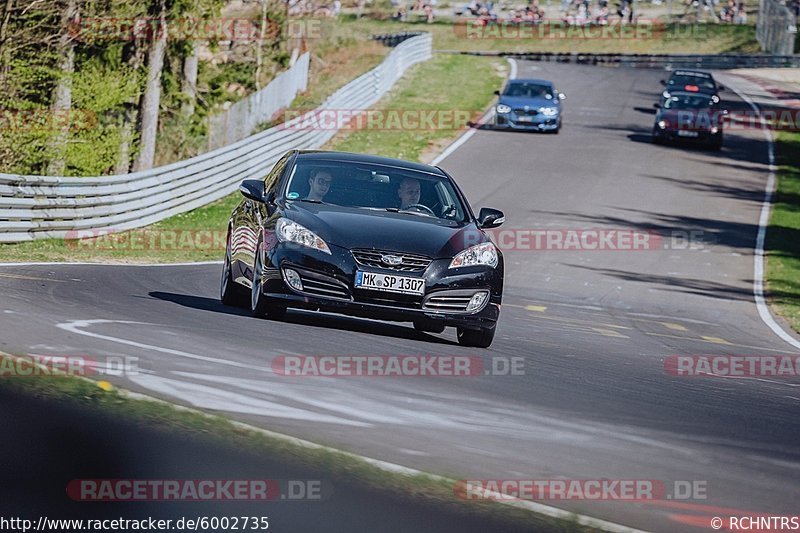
[(151, 98)]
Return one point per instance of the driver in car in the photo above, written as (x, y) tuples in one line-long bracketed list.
[(408, 193), (319, 184)]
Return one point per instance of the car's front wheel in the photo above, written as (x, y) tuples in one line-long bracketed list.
[(230, 292), (260, 306), (478, 338)]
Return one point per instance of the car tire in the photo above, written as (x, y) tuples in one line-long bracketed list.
[(477, 338), (260, 306), (656, 139), (230, 292), (428, 327)]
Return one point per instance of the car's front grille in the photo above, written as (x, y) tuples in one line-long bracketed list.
[(378, 259), (529, 112)]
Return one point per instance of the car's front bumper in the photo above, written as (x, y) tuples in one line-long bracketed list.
[(328, 285), (528, 123), (702, 137)]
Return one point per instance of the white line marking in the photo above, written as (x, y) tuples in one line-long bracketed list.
[(76, 326), (394, 468), (763, 221), (469, 133)]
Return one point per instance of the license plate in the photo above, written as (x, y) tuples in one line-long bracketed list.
[(389, 283), (524, 119), (684, 133)]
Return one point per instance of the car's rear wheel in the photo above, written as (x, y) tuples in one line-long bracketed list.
[(230, 292), (260, 306), (428, 327), (478, 338)]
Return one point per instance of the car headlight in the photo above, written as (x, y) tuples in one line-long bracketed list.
[(714, 130), (503, 108), (548, 111), (288, 231), (662, 124), (480, 254)]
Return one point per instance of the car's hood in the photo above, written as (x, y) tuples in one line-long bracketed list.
[(522, 101), (383, 230)]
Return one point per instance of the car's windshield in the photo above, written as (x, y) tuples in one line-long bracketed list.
[(687, 101), (686, 81), (529, 90), (371, 186)]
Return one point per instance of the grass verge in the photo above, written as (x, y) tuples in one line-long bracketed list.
[(331, 464), (783, 233), (199, 235), (670, 39)]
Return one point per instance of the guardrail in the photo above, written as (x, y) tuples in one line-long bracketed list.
[(33, 207), (722, 61)]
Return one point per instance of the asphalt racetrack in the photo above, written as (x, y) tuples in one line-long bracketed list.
[(594, 328)]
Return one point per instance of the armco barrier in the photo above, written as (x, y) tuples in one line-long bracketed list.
[(34, 207), (709, 61)]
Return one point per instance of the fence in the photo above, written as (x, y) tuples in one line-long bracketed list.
[(241, 119), (34, 207), (776, 28)]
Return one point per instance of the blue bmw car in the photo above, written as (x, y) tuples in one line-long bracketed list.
[(529, 104)]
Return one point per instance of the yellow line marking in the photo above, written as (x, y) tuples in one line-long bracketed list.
[(715, 340), (537, 308), (610, 333), (673, 325), (18, 276), (761, 348)]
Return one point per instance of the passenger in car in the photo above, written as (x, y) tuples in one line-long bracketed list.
[(319, 182)]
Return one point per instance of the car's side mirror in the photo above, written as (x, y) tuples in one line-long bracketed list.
[(561, 96), (720, 88), (662, 82), (490, 218), (657, 105), (497, 93), (252, 189)]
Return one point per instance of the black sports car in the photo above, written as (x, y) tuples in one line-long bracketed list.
[(368, 236), (694, 81), (689, 117)]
